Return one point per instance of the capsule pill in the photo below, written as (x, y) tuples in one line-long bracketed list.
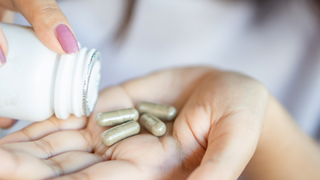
[(120, 132), (165, 112), (153, 124), (117, 117)]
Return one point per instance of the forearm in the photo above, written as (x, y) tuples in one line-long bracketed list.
[(284, 151)]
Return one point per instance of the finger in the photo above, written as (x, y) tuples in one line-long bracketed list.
[(49, 23), (18, 165), (3, 48), (232, 131), (109, 170), (71, 162), (41, 129), (54, 144), (6, 15), (6, 122), (228, 151)]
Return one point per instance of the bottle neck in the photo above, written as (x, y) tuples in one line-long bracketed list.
[(77, 83)]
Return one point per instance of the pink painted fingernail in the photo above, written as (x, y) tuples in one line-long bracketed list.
[(67, 40), (3, 59)]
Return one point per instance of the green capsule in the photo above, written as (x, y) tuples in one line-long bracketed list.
[(117, 117), (165, 112), (153, 124), (120, 132)]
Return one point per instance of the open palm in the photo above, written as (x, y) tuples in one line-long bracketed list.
[(213, 137)]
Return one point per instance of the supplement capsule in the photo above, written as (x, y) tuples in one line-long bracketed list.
[(117, 117), (153, 124), (161, 111), (120, 132)]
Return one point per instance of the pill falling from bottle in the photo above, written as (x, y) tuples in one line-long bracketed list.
[(117, 117), (165, 112), (153, 124), (120, 132)]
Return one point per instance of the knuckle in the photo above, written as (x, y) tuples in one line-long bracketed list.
[(26, 133), (45, 147), (88, 139), (44, 11), (57, 168), (56, 123), (48, 8)]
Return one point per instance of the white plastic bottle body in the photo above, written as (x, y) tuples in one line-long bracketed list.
[(26, 89), (28, 79)]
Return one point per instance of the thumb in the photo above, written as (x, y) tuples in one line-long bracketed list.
[(3, 48), (6, 123), (231, 144), (49, 23)]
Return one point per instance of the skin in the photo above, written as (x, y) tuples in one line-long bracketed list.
[(215, 134), (44, 16), (284, 151)]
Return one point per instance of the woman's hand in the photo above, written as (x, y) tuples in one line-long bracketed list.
[(215, 134), (50, 25), (48, 21)]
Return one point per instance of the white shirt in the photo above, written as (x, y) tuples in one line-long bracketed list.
[(281, 51)]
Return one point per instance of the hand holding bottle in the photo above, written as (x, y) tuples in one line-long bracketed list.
[(50, 25), (48, 21)]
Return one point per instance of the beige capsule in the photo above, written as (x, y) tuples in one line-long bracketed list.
[(120, 132), (165, 112), (117, 117), (153, 124)]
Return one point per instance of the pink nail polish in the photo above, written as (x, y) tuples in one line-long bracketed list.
[(3, 59), (67, 40)]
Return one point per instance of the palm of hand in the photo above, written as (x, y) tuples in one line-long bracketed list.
[(218, 126)]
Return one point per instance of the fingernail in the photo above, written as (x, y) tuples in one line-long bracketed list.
[(3, 59), (67, 40)]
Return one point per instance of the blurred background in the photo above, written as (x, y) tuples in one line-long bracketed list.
[(276, 42)]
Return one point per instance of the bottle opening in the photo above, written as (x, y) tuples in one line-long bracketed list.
[(92, 83)]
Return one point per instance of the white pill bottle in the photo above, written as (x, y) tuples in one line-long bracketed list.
[(36, 82)]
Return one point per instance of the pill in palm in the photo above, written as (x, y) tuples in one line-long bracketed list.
[(153, 124), (165, 112), (117, 117), (120, 132)]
